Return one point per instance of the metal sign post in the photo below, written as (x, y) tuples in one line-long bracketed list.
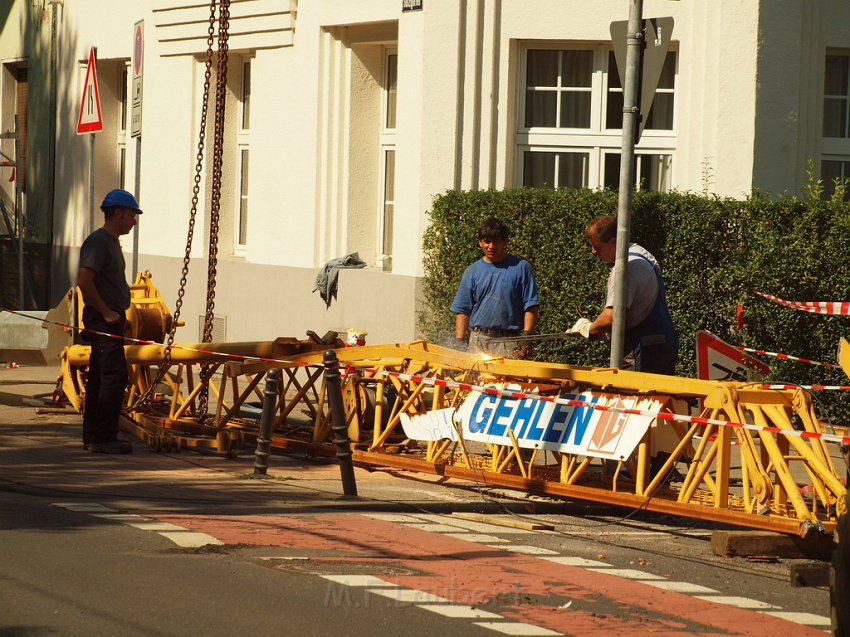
[(639, 74), (136, 125), (627, 164)]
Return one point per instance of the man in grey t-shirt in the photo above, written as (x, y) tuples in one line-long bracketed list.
[(106, 294), (649, 335)]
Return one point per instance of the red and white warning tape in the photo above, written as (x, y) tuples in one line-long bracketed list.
[(841, 308), (141, 341), (493, 391), (784, 356), (808, 387)]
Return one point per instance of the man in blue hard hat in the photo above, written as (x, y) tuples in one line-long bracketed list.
[(102, 281)]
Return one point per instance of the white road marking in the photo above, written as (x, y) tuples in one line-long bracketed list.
[(360, 580), (191, 540), (392, 517), (577, 561), (140, 522), (739, 602), (681, 587), (808, 619), (477, 537), (459, 612), (517, 628), (526, 550), (628, 573), (481, 527), (409, 596), (437, 528)]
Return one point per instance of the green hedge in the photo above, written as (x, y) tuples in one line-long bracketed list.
[(714, 252)]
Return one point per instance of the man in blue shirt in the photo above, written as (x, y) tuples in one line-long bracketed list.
[(497, 296)]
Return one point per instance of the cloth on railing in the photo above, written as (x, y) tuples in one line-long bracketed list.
[(328, 277)]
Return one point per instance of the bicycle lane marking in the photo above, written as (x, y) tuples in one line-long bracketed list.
[(543, 592)]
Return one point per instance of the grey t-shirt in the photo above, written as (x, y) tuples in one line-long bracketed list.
[(641, 285), (102, 253)]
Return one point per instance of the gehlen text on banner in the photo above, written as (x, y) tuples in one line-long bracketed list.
[(554, 426)]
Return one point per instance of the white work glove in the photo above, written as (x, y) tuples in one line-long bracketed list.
[(581, 328)]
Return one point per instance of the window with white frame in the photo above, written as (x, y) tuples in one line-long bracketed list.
[(242, 157), (835, 144), (571, 116), (387, 159)]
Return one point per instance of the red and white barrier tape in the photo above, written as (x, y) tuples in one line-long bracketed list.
[(808, 387), (141, 341), (784, 356), (438, 382), (840, 308), (493, 391)]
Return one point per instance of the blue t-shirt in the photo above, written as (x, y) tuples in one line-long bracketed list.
[(496, 295)]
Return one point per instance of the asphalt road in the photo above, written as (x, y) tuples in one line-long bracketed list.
[(182, 544)]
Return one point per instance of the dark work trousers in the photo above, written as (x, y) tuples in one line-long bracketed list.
[(107, 379)]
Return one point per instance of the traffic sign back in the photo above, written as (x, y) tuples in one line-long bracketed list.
[(90, 119), (657, 32), (718, 360)]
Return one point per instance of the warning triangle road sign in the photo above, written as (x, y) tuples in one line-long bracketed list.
[(90, 119)]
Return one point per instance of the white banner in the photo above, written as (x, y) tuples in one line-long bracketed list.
[(558, 427)]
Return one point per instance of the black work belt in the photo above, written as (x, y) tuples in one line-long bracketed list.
[(495, 332)]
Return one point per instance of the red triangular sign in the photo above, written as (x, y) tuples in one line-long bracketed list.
[(90, 119)]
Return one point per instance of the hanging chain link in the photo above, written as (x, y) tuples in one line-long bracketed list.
[(196, 188), (215, 197)]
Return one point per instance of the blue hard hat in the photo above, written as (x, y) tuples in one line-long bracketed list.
[(121, 198)]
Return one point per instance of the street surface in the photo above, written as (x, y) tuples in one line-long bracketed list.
[(188, 544)]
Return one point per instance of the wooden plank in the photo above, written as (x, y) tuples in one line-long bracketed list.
[(761, 544), (803, 575)]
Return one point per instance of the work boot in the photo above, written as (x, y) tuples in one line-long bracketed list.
[(113, 446)]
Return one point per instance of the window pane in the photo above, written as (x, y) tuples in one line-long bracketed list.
[(538, 170), (611, 178), (835, 75), (246, 95), (542, 68), (243, 200), (572, 170), (614, 110), (655, 172), (577, 69), (613, 74), (652, 172), (575, 110), (541, 108), (832, 170), (389, 204), (660, 113), (668, 71), (122, 91), (834, 117), (392, 90)]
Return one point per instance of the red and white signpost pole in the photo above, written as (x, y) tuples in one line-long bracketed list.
[(90, 120)]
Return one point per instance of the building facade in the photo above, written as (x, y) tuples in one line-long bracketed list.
[(343, 119)]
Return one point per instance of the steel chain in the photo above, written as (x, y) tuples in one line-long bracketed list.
[(196, 188), (215, 195)]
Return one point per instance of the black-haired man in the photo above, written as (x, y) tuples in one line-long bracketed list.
[(497, 296)]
